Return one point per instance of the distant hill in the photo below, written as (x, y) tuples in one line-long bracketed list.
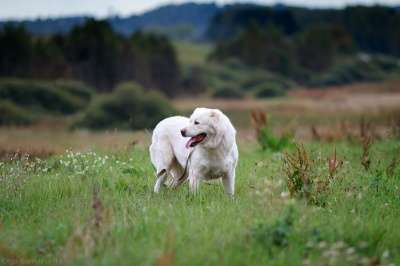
[(50, 25), (190, 19), (196, 21), (184, 21)]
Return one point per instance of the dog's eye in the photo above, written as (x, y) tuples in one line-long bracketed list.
[(196, 122)]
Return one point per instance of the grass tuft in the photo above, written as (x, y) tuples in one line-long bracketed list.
[(265, 137), (366, 146), (297, 167)]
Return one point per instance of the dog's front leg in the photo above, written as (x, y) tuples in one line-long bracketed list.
[(229, 182), (194, 183)]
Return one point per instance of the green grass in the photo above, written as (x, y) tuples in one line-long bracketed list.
[(46, 213)]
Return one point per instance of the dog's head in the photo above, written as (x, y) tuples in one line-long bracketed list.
[(208, 128)]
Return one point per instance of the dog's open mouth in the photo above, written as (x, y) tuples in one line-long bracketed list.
[(193, 141)]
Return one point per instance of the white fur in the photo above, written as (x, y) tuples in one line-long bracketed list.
[(215, 157)]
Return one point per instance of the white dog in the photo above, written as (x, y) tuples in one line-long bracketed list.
[(210, 153)]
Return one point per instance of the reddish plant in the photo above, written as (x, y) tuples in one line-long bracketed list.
[(297, 168), (333, 165), (366, 146), (259, 120)]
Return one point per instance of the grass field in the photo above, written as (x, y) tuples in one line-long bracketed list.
[(97, 208), (85, 198)]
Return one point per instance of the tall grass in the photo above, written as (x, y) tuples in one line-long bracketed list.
[(97, 208)]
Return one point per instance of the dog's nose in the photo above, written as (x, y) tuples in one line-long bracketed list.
[(183, 132)]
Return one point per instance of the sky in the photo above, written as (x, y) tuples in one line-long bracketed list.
[(23, 9)]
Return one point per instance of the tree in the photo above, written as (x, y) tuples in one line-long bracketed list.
[(15, 51), (314, 49), (48, 61), (93, 50), (93, 53), (375, 29), (159, 61), (265, 47)]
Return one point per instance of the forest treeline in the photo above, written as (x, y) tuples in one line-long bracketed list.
[(308, 46), (374, 29), (300, 43), (93, 53)]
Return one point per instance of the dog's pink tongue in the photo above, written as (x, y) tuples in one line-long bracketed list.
[(190, 142), (193, 141)]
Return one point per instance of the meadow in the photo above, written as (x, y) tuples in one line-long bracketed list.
[(84, 198), (97, 207)]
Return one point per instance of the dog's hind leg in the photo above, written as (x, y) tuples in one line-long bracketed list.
[(161, 177), (162, 158), (178, 175)]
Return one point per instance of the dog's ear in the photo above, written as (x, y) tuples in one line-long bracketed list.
[(225, 132), (214, 114), (218, 126)]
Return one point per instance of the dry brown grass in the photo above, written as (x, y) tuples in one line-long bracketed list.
[(350, 131), (366, 146), (388, 86), (333, 165), (86, 238), (7, 154), (43, 141), (369, 97), (395, 125), (167, 258), (13, 258), (329, 115), (259, 120)]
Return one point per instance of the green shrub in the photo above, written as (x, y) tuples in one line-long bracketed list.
[(43, 96), (251, 83), (75, 88), (235, 64), (349, 73), (386, 63), (269, 141), (371, 68), (269, 90), (228, 93), (128, 107), (10, 114)]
